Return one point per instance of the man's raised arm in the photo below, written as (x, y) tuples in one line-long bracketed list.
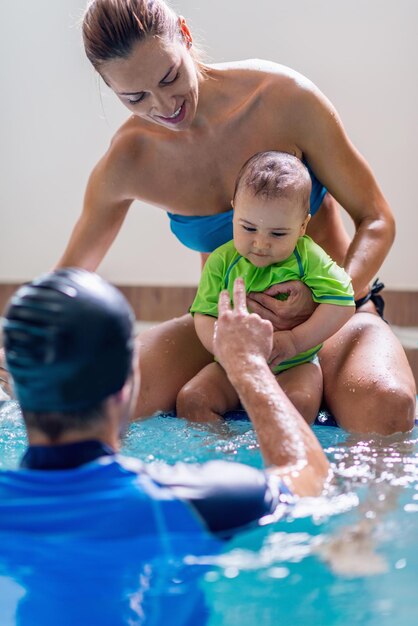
[(242, 345)]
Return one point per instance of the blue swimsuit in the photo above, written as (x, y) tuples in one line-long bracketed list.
[(204, 233)]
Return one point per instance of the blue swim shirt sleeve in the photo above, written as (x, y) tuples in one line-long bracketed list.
[(225, 496), (329, 283), (212, 281)]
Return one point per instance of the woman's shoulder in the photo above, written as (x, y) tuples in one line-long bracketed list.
[(263, 72), (130, 140), (274, 87), (125, 153)]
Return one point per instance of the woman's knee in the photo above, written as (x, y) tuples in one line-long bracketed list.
[(368, 383), (384, 407), (395, 403)]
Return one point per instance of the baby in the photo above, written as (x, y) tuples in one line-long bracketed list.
[(271, 213)]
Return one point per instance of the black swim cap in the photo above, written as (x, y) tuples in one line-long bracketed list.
[(69, 341)]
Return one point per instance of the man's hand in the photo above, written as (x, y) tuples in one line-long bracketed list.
[(240, 335), (283, 314)]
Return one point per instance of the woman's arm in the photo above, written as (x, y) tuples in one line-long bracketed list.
[(323, 142), (341, 168), (106, 204)]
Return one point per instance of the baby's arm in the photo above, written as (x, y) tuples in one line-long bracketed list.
[(205, 327), (325, 321)]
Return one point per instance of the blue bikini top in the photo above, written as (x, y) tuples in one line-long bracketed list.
[(204, 233)]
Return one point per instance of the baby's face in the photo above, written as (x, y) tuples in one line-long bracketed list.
[(266, 230)]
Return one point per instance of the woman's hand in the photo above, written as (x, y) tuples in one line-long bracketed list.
[(283, 314)]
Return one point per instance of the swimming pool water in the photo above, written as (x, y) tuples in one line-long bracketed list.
[(348, 558)]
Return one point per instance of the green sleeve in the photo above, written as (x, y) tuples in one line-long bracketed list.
[(210, 285), (329, 283)]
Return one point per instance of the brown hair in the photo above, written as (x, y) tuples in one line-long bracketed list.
[(112, 27), (273, 174), (55, 424)]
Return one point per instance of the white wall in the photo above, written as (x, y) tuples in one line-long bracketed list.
[(54, 126)]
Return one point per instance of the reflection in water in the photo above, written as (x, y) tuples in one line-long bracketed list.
[(382, 467), (350, 557)]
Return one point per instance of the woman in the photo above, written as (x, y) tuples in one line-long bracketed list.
[(192, 127)]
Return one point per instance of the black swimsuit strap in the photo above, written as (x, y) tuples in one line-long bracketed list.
[(374, 296)]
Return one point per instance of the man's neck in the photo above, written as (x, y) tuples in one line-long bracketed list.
[(64, 456), (38, 438)]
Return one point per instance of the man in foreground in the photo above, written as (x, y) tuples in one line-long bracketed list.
[(89, 537), (70, 349)]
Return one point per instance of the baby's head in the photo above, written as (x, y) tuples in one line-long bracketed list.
[(271, 207)]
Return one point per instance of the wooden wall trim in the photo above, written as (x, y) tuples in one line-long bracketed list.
[(154, 304), (158, 303), (401, 307), (6, 292)]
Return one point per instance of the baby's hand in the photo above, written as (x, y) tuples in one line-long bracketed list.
[(284, 347)]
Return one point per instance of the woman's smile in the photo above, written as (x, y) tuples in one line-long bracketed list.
[(177, 117)]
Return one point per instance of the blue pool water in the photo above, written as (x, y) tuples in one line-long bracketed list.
[(349, 558)]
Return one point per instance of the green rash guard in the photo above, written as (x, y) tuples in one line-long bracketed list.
[(308, 263)]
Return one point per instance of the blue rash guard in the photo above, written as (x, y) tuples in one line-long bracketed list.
[(90, 537), (205, 233), (85, 489)]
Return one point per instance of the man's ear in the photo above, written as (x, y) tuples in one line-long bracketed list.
[(120, 396)]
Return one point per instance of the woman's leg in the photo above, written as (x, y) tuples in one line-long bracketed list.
[(368, 384), (303, 386), (170, 355), (207, 396)]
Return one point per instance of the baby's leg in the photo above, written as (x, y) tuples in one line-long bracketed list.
[(207, 396), (303, 386)]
